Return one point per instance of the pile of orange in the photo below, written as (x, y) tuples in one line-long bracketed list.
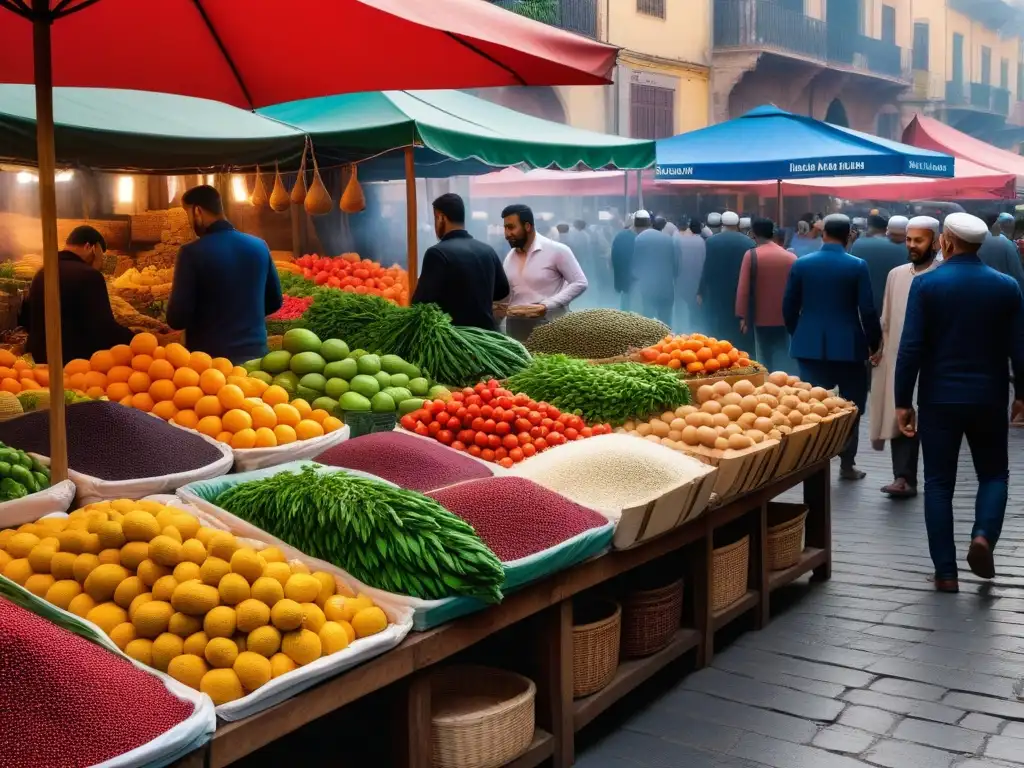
[(199, 392), (696, 354), (17, 375)]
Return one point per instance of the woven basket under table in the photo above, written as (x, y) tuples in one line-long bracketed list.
[(595, 647), (786, 538), (650, 619), (729, 573)]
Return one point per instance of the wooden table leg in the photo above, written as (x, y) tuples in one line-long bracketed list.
[(760, 574), (412, 716), (707, 624), (818, 498), (554, 681)]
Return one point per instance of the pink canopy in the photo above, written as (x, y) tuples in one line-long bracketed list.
[(929, 133)]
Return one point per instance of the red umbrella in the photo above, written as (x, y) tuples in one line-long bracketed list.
[(254, 53)]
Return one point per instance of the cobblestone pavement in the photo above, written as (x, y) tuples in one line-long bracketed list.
[(870, 669)]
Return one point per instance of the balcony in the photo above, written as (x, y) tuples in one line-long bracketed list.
[(979, 97), (579, 16), (766, 25)]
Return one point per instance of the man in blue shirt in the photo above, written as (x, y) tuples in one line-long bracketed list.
[(622, 257), (999, 252), (964, 321), (654, 270), (830, 312), (225, 284)]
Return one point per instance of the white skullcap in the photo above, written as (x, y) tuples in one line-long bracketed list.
[(924, 222), (745, 222), (641, 215), (730, 219), (714, 219), (899, 223), (839, 218), (968, 228), (859, 221)]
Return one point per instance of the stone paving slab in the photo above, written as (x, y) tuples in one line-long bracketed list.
[(870, 669)]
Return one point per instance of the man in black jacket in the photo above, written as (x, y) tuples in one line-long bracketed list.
[(461, 275), (87, 322)]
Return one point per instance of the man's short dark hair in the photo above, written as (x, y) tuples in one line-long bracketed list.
[(580, 224), (990, 217), (695, 226), (86, 235), (524, 212), (206, 197), (838, 229), (452, 207), (763, 228), (878, 223), (659, 223), (562, 227)]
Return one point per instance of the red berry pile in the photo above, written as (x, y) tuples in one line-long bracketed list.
[(292, 308), (494, 424), (67, 702), (515, 517)]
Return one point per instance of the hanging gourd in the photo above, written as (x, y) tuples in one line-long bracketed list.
[(279, 200), (258, 198), (352, 199), (298, 195), (318, 199)]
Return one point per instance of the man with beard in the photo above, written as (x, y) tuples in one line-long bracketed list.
[(922, 241), (881, 254), (225, 284), (964, 321), (716, 293)]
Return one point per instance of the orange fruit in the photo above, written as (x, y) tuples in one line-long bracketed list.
[(7, 357), (210, 425), (101, 361), (94, 392), (142, 401), (265, 438), (139, 382), (688, 356), (185, 377), (319, 415), (42, 374), (286, 414), (76, 381), (257, 387), (331, 424), (78, 365), (263, 416), (284, 434), (21, 365), (238, 371), (224, 437), (211, 380), (119, 373), (186, 418), (251, 402), (236, 420), (165, 409), (187, 397), (144, 344), (695, 367), (10, 373), (302, 407), (199, 361), (704, 354), (711, 365), (142, 363), (231, 396), (307, 429), (675, 364), (159, 353), (118, 390), (95, 379), (160, 370), (177, 355), (122, 354), (723, 359), (208, 405), (273, 395), (162, 390), (222, 364), (244, 438), (126, 401)]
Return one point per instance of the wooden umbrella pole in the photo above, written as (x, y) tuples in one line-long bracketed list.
[(410, 217), (48, 214), (779, 208)]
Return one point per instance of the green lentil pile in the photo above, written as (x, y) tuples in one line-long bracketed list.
[(596, 334)]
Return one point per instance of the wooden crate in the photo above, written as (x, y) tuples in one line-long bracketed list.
[(643, 523), (797, 447), (739, 471)]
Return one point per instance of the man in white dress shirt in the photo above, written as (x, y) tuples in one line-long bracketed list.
[(543, 275)]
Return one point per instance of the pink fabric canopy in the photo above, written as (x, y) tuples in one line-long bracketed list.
[(929, 133)]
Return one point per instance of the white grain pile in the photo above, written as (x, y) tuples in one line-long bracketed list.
[(611, 472)]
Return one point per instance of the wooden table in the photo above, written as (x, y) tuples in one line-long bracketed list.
[(548, 605)]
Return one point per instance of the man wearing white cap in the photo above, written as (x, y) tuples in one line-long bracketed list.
[(922, 242), (881, 254), (745, 226), (716, 293), (830, 313), (714, 223), (964, 320), (896, 229)]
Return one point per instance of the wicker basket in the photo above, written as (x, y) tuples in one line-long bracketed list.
[(650, 619), (365, 422), (595, 645), (785, 538), (480, 717), (729, 573)]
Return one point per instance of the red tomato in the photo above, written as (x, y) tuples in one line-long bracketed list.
[(510, 442), (529, 450), (565, 418), (473, 409), (489, 426), (462, 413), (558, 426), (522, 399), (445, 436), (506, 463), (535, 432), (541, 444), (516, 454), (466, 436), (571, 434), (487, 454), (493, 441), (480, 387), (535, 418), (556, 438), (480, 439), (421, 414), (500, 453), (544, 431), (487, 395), (502, 428), (474, 400), (546, 422), (523, 425), (453, 423), (433, 428), (452, 406), (587, 432), (524, 438), (438, 405), (468, 391), (506, 402), (458, 397), (421, 429), (492, 384), (474, 450), (575, 422), (478, 424), (408, 422)]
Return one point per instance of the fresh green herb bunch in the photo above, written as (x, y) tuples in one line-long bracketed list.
[(336, 314)]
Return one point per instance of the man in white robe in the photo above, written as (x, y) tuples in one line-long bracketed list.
[(922, 244)]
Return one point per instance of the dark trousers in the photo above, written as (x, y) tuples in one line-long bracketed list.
[(905, 452), (658, 309), (773, 347), (942, 429), (852, 380)]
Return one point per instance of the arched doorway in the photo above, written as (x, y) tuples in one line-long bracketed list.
[(836, 114)]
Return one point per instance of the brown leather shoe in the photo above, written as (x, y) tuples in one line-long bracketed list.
[(979, 558), (946, 585)]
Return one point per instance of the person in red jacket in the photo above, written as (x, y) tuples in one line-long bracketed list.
[(763, 275)]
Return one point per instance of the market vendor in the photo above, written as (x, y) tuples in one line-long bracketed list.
[(225, 284), (87, 322), (543, 275), (460, 274)]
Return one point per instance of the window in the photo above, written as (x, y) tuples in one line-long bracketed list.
[(651, 111), (651, 7), (889, 125), (986, 65), (922, 46), (958, 59), (1004, 73), (889, 24)]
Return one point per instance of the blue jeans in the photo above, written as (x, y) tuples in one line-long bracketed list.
[(942, 429)]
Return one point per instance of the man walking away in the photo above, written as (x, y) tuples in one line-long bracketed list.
[(654, 272), (881, 254), (897, 230), (460, 274), (923, 244), (714, 224), (622, 257), (719, 280), (830, 313), (964, 321), (690, 251), (763, 278), (999, 253)]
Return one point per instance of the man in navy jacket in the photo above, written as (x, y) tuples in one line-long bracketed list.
[(225, 284), (830, 313), (964, 321)]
